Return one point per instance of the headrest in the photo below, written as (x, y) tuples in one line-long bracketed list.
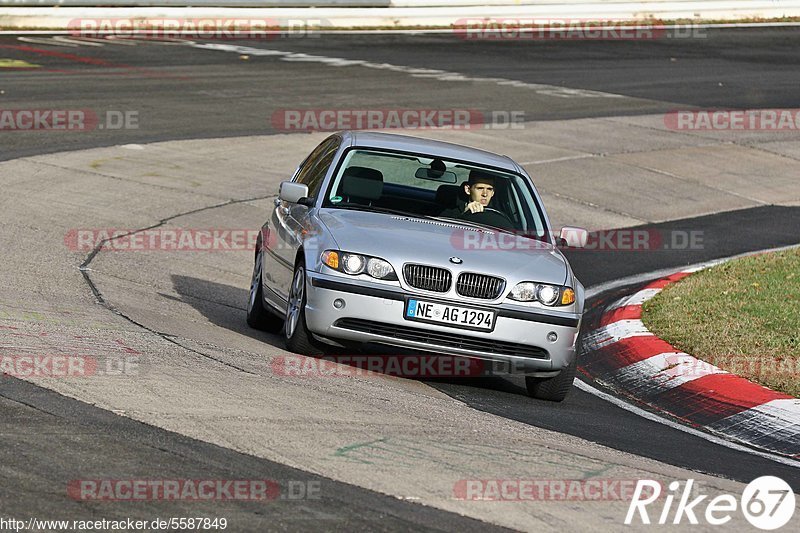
[(362, 182), (448, 194)]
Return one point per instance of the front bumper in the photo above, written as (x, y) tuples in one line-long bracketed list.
[(373, 313)]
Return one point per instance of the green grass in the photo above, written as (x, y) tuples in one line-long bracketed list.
[(742, 316)]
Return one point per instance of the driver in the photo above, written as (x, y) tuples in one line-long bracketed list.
[(480, 190)]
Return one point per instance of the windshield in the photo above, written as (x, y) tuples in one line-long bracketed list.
[(418, 185)]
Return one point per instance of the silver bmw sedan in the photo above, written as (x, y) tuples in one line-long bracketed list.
[(396, 241)]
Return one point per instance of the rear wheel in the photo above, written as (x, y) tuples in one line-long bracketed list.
[(258, 316), (553, 389), (298, 338)]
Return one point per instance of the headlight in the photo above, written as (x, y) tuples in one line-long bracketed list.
[(378, 268), (548, 294), (545, 294), (524, 292), (355, 264)]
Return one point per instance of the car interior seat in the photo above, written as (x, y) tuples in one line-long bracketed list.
[(449, 196), (361, 185)]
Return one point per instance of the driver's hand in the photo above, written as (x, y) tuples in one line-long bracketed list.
[(474, 207)]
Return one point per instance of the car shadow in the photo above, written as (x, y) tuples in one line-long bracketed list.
[(509, 384), (224, 306)]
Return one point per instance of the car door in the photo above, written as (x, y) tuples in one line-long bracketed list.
[(289, 222)]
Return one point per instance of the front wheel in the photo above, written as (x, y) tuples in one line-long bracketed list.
[(298, 338), (553, 389)]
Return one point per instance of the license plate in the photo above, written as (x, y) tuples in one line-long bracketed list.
[(450, 315)]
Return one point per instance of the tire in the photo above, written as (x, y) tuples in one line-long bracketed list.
[(553, 389), (259, 317), (295, 331)]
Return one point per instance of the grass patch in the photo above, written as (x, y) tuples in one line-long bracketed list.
[(742, 316)]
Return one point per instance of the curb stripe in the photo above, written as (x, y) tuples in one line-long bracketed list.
[(637, 298), (663, 282), (616, 332), (623, 354), (665, 371), (610, 359), (628, 312), (711, 398), (766, 426)]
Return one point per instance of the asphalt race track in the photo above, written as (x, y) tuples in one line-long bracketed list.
[(384, 452), (186, 93)]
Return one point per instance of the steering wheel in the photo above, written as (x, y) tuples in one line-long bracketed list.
[(490, 217)]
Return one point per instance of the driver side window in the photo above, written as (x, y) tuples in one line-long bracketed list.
[(313, 170)]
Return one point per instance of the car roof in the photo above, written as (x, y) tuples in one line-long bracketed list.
[(445, 150)]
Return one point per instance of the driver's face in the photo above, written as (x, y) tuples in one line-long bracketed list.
[(480, 192)]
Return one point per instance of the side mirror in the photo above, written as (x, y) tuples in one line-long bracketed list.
[(292, 192), (573, 237)]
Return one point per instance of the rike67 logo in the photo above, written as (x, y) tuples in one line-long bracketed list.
[(767, 503)]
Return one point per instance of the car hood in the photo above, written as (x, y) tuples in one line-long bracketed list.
[(400, 240)]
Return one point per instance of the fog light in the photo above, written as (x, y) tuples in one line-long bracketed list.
[(338, 303), (552, 336)]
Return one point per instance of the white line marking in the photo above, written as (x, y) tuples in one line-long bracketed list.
[(76, 40), (86, 39), (117, 40), (558, 159), (165, 41), (48, 42), (674, 425), (440, 75)]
